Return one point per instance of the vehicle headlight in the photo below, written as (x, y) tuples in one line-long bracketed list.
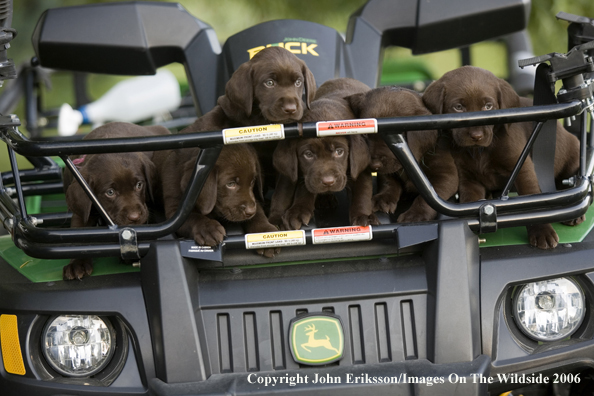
[(549, 310), (78, 345)]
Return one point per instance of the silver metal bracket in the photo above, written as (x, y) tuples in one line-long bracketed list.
[(487, 218), (129, 245)]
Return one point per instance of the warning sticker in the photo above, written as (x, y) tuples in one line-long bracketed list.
[(274, 239), (341, 234), (259, 133), (346, 127)]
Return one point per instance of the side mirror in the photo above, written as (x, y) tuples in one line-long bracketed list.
[(428, 26), (130, 39)]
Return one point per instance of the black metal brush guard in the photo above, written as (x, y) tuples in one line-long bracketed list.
[(54, 243)]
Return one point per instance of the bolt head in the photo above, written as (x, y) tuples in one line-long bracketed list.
[(488, 209), (126, 234)]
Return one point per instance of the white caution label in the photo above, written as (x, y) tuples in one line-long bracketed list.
[(274, 239), (341, 234), (346, 127), (259, 133)]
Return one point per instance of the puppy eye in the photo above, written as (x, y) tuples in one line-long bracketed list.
[(231, 185), (298, 83), (308, 154), (110, 192), (139, 185), (488, 106), (269, 83), (458, 107), (339, 152)]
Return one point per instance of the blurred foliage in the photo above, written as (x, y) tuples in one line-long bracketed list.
[(549, 34)]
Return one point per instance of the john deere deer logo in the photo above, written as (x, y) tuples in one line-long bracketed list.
[(313, 343), (317, 339)]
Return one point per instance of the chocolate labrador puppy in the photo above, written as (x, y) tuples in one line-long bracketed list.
[(121, 182), (228, 194), (308, 167), (485, 155), (266, 89), (435, 159)]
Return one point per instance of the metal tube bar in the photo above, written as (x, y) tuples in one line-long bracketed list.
[(583, 143), (83, 183), (525, 202), (27, 147), (525, 152), (33, 175), (204, 164), (58, 251), (17, 183)]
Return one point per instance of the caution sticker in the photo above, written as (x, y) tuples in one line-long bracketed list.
[(259, 133), (346, 127), (274, 239), (341, 234)]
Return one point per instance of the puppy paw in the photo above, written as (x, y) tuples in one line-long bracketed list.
[(209, 233), (270, 252), (276, 220), (542, 236), (384, 203), (415, 215), (575, 222), (364, 220), (296, 217), (77, 269)]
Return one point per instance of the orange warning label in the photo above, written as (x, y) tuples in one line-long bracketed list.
[(346, 127), (341, 234)]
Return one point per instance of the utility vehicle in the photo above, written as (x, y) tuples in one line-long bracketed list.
[(461, 305)]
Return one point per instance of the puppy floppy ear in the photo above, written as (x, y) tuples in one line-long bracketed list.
[(356, 103), (259, 180), (434, 96), (150, 171), (421, 142), (359, 156), (240, 89), (208, 196), (309, 84), (506, 96), (78, 202), (284, 160)]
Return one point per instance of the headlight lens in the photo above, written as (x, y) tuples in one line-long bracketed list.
[(78, 345), (550, 310)]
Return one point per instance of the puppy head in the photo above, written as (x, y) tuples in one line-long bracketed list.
[(120, 182), (387, 102), (273, 82), (468, 89), (229, 188), (325, 163)]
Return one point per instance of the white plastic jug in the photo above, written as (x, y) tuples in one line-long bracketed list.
[(131, 100)]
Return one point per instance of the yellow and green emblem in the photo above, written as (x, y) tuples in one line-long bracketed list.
[(316, 339)]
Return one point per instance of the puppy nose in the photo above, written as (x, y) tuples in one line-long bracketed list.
[(249, 209), (477, 135), (328, 180), (376, 164), (290, 108), (134, 216)]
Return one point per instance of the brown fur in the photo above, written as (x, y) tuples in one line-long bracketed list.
[(313, 166), (248, 100), (129, 175), (435, 160), (485, 156), (228, 194)]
